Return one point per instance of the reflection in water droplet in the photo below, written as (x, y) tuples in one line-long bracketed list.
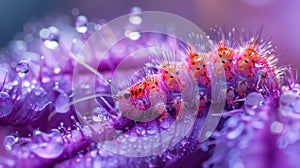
[(6, 104), (22, 68), (60, 103)]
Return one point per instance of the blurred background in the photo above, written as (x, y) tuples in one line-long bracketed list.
[(280, 19)]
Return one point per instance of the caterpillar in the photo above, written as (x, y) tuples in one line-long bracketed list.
[(248, 63)]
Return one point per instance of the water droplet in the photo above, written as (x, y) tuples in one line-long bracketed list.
[(61, 103), (26, 83), (135, 20), (151, 130), (6, 104), (51, 44), (277, 127), (38, 91), (141, 130), (57, 70), (253, 100), (133, 35), (136, 10), (183, 142), (22, 68), (204, 147), (9, 141), (165, 124), (81, 24), (47, 145), (96, 118), (50, 37), (287, 98), (94, 153)]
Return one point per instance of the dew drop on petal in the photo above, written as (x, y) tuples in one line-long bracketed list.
[(136, 20), (151, 130), (6, 104), (165, 124), (141, 130), (81, 24), (134, 35), (61, 103), (51, 44), (9, 141), (277, 127), (287, 98), (254, 100), (204, 147), (38, 91), (47, 145), (22, 68), (136, 10), (50, 37), (57, 70)]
